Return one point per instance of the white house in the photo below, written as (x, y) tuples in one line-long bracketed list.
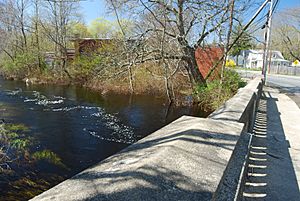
[(254, 59)]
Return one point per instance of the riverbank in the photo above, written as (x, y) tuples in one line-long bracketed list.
[(79, 126), (68, 118), (144, 83), (209, 97), (21, 171)]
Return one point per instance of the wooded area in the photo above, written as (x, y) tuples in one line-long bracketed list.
[(154, 44)]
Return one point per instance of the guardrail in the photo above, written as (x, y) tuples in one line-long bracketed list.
[(189, 159)]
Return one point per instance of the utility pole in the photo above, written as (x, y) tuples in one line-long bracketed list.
[(267, 42), (238, 37)]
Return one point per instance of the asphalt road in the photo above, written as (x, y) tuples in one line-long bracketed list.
[(289, 85)]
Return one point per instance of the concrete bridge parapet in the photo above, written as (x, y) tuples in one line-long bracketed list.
[(240, 108)]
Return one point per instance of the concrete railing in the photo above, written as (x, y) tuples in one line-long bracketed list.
[(189, 159), (240, 108)]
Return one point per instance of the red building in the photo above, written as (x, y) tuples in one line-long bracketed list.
[(206, 58)]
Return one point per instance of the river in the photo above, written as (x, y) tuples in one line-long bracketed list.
[(65, 129)]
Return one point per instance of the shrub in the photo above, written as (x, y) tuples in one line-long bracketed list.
[(230, 63), (17, 145), (21, 65), (82, 67), (212, 95), (48, 156)]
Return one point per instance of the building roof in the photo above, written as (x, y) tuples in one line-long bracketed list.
[(275, 59), (262, 51), (76, 39)]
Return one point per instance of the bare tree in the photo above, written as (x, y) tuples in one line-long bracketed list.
[(14, 24), (36, 24), (58, 14), (286, 33), (181, 25)]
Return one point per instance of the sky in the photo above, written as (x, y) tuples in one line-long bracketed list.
[(92, 9), (283, 4)]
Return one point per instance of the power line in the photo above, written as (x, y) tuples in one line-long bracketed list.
[(260, 23), (275, 6), (239, 36)]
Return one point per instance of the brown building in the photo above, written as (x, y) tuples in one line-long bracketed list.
[(50, 57), (86, 46)]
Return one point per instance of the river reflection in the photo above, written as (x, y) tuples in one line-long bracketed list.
[(77, 125)]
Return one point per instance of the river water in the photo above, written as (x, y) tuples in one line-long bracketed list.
[(71, 128)]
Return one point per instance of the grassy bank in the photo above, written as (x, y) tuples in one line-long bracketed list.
[(99, 74), (96, 73), (144, 83), (20, 160)]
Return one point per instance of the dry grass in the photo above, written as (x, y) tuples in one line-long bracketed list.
[(147, 79), (144, 82)]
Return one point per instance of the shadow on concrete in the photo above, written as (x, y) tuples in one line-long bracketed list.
[(290, 89), (152, 184), (281, 177), (171, 164), (285, 89), (292, 92), (194, 136)]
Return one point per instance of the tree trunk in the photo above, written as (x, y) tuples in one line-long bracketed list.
[(37, 41), (22, 22), (193, 69), (130, 77), (226, 50)]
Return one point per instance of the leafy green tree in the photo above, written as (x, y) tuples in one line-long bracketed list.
[(79, 29), (244, 43), (122, 28), (101, 28)]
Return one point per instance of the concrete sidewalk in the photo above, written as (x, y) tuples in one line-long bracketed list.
[(274, 160)]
